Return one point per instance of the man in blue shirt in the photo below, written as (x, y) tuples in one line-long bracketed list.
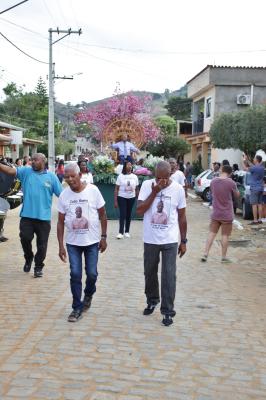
[(256, 186), (125, 148), (38, 187)]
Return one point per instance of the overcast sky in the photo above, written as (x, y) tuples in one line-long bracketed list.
[(143, 44)]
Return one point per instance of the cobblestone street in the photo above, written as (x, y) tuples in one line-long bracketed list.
[(215, 350)]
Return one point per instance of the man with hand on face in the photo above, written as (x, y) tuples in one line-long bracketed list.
[(162, 238), (38, 185), (81, 201)]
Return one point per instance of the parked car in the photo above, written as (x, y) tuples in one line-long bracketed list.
[(202, 184), (243, 202)]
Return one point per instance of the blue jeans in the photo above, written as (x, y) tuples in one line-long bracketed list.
[(122, 159), (75, 260)]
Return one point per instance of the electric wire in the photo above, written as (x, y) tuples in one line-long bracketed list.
[(146, 51), (22, 51), (48, 11)]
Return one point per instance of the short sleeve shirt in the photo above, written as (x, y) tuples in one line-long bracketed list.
[(222, 199), (179, 177), (160, 222), (38, 189), (127, 185), (86, 178), (81, 215), (256, 178)]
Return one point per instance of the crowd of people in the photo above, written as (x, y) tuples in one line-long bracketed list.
[(224, 193), (81, 212)]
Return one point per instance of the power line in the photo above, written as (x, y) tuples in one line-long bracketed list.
[(24, 28), (23, 119), (10, 8), (123, 65), (162, 52), (26, 54), (49, 12), (147, 51)]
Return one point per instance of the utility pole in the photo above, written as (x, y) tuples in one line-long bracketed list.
[(51, 146)]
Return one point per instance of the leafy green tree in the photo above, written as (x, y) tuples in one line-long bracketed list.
[(61, 147), (166, 124), (179, 108), (11, 89), (169, 145), (244, 130), (25, 109)]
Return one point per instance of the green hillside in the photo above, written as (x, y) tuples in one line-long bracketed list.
[(65, 112)]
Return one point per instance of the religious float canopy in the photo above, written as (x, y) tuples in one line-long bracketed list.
[(123, 113), (118, 126)]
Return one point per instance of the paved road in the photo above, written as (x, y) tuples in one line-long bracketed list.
[(214, 351)]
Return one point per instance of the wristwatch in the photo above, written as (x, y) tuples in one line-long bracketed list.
[(184, 241), (103, 236)]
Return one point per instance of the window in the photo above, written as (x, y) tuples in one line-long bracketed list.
[(208, 107)]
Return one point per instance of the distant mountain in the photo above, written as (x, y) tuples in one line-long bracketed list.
[(65, 112)]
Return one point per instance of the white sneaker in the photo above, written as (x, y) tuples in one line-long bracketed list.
[(127, 234), (120, 236)]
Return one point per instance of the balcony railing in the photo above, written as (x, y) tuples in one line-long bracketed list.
[(198, 126)]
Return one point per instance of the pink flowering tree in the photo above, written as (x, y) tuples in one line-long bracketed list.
[(118, 107)]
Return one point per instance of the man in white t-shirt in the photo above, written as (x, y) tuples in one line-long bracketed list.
[(177, 175), (81, 209), (165, 235)]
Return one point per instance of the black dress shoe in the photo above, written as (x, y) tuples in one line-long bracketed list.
[(86, 303), (38, 272), (27, 266), (167, 320), (149, 309)]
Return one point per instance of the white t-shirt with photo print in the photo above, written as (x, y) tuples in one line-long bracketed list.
[(160, 222), (81, 215), (127, 185)]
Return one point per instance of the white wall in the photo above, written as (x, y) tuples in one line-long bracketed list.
[(232, 155)]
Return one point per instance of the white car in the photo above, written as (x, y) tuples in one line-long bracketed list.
[(202, 184)]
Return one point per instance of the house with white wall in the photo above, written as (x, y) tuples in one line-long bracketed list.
[(215, 90), (11, 139)]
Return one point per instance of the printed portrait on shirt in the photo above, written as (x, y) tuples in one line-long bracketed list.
[(129, 186), (80, 220), (161, 210)]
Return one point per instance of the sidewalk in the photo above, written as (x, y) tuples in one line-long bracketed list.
[(215, 350)]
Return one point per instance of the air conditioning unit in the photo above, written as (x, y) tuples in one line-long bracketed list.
[(243, 99)]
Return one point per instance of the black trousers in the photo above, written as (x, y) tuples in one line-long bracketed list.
[(2, 220), (168, 275), (125, 210), (28, 227)]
